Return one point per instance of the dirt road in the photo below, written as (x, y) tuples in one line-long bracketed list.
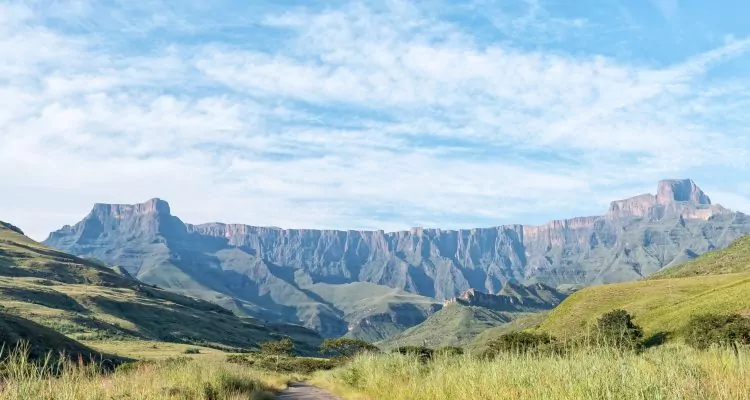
[(303, 391)]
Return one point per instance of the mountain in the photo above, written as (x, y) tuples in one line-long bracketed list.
[(733, 259), (716, 282), (277, 274), (83, 299), (472, 313)]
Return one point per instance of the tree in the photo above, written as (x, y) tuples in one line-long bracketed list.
[(616, 328), (519, 342), (346, 347), (278, 349), (705, 330)]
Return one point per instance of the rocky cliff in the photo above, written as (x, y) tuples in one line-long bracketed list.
[(270, 272)]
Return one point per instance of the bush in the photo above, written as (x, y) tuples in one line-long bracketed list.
[(345, 347), (302, 365), (520, 342), (449, 351), (192, 350), (423, 353), (617, 329), (705, 330)]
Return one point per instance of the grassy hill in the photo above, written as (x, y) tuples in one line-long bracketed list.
[(16, 331), (454, 325), (86, 300), (530, 321), (716, 282), (375, 312), (733, 259)]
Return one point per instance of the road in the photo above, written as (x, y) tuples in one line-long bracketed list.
[(303, 391)]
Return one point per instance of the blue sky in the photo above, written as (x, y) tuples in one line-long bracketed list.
[(365, 115)]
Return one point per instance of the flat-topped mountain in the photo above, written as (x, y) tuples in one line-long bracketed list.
[(287, 274)]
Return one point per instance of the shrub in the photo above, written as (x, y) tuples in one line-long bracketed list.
[(302, 365), (423, 353), (705, 330), (346, 347), (519, 342), (449, 351), (192, 350), (617, 329)]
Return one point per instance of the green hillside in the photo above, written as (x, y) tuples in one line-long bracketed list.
[(86, 300), (375, 312), (41, 341), (519, 324), (717, 282), (455, 325), (733, 259)]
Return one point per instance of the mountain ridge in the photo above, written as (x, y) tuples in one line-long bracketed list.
[(268, 272)]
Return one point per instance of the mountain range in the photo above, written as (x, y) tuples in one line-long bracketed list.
[(373, 284)]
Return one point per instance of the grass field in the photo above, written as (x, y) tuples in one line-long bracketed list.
[(174, 378), (671, 372)]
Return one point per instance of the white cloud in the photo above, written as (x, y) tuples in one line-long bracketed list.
[(362, 118)]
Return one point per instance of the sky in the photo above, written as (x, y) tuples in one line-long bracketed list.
[(368, 115)]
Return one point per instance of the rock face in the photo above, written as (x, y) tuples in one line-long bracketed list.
[(267, 272), (512, 297)]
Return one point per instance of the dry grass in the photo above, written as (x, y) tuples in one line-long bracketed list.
[(672, 372), (176, 378)]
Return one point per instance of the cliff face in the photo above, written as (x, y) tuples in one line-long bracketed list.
[(265, 271)]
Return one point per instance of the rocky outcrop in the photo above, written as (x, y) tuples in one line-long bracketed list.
[(262, 268), (513, 297), (680, 190)]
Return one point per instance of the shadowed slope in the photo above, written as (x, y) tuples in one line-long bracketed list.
[(86, 300)]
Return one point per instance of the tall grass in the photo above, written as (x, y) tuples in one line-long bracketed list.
[(177, 378), (671, 372)]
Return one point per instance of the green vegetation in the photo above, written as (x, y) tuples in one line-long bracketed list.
[(733, 259), (715, 329), (346, 347), (518, 343), (41, 341), (661, 307), (87, 301), (168, 379), (282, 347), (300, 367), (667, 372), (617, 329), (532, 321), (455, 325)]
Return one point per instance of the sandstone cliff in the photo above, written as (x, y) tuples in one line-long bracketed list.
[(268, 272)]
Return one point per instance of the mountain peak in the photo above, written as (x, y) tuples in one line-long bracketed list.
[(680, 190), (152, 206)]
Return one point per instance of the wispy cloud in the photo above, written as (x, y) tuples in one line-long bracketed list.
[(352, 115)]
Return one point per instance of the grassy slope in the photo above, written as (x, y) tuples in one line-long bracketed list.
[(519, 324), (361, 302), (454, 325), (16, 331), (85, 300), (665, 302), (733, 259)]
